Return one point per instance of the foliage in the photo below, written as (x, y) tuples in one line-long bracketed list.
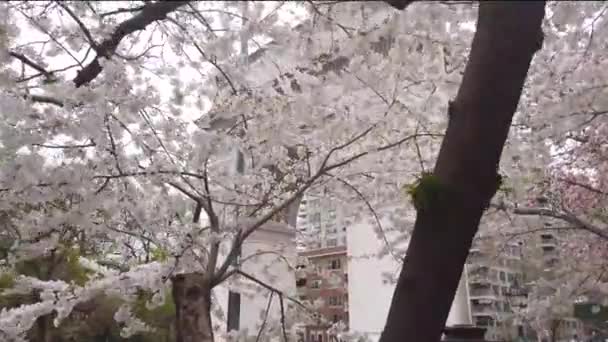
[(427, 191)]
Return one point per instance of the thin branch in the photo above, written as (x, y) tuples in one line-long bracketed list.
[(89, 144), (271, 288), (44, 99), (374, 214), (83, 28), (201, 19), (283, 317), (257, 338), (323, 170), (202, 52), (564, 216), (31, 64), (584, 186)]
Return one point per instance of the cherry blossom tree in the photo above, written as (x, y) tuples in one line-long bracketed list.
[(173, 131), (131, 114)]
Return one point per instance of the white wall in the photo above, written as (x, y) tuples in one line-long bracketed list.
[(269, 254), (370, 294)]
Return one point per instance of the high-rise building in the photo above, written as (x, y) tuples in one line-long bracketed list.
[(490, 279), (318, 224), (494, 278)]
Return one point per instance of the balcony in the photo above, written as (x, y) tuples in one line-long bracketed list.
[(483, 292), (483, 310)]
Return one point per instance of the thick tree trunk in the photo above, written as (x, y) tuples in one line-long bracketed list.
[(192, 297), (508, 34)]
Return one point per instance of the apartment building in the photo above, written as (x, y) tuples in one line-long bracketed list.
[(322, 278), (546, 249), (490, 279), (495, 284), (318, 224)]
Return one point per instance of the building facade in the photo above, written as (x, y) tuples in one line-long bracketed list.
[(319, 225), (491, 279), (322, 279), (268, 255)]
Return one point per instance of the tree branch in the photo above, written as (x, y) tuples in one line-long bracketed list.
[(83, 28), (151, 12), (566, 217), (31, 64)]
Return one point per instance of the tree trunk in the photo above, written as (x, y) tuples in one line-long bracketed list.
[(554, 330), (192, 297), (43, 329), (508, 34)]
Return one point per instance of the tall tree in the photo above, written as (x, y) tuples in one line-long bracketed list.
[(451, 201)]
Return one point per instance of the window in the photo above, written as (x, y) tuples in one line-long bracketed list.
[(511, 278), (335, 301), (548, 249), (301, 282), (334, 264), (336, 318), (315, 284), (316, 219), (332, 242), (502, 276)]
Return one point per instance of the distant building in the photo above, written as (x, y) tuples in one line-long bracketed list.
[(490, 278), (319, 225), (322, 277), (492, 281)]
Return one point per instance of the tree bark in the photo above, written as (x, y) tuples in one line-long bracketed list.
[(192, 297), (508, 34)]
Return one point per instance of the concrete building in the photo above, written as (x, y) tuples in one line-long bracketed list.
[(322, 277), (319, 225), (491, 278)]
